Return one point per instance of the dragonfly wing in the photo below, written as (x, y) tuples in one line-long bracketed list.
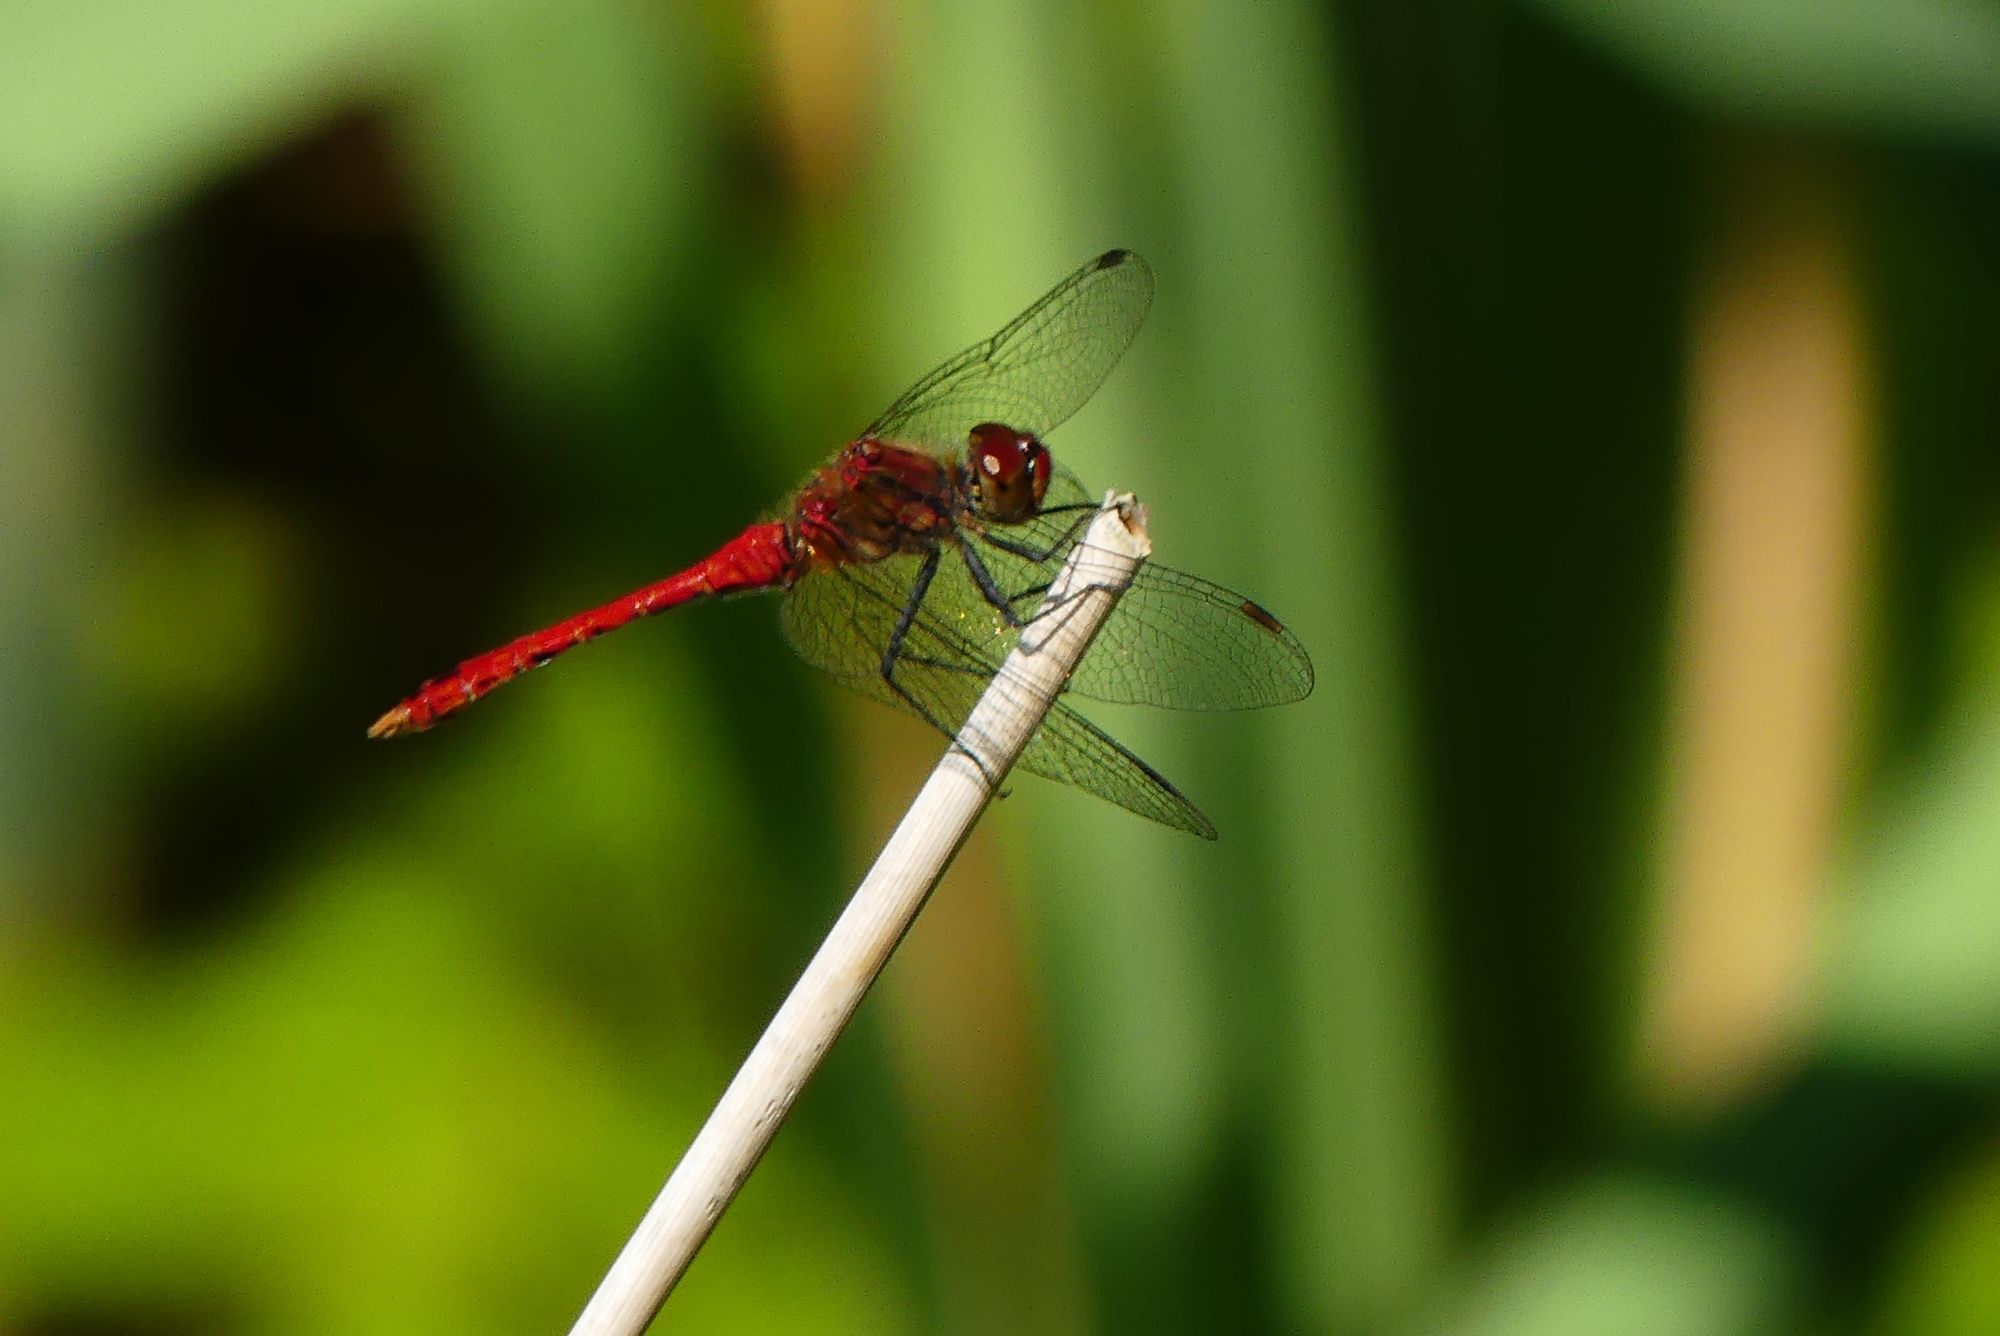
[(1175, 640), (1184, 643), (839, 622), (1034, 374), (837, 617), (1070, 749), (1067, 495)]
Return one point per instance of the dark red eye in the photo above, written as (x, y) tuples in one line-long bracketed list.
[(1010, 469), (999, 453), (1039, 468)]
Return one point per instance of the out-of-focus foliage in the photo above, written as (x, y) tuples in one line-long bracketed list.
[(1602, 390), (1873, 66)]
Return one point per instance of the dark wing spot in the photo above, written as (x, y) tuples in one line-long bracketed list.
[(1263, 618), (1111, 259)]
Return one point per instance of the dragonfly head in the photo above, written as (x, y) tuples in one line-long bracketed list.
[(1010, 471)]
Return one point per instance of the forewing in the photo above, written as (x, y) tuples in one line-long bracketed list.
[(1175, 640), (839, 618), (1184, 643), (1034, 374)]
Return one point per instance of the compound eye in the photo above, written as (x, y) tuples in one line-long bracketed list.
[(1039, 468), (1010, 469)]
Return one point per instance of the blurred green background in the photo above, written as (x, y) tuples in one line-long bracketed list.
[(1604, 390)]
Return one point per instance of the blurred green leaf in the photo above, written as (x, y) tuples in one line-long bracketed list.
[(1278, 475), (111, 111), (1898, 66), (557, 141), (1942, 1283), (1618, 1257), (222, 565), (376, 1084), (1912, 972)]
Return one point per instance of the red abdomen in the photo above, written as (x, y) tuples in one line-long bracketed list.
[(761, 557)]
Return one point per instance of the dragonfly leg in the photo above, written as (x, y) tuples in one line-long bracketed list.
[(923, 711), (892, 655), (1062, 543), (918, 588), (989, 588)]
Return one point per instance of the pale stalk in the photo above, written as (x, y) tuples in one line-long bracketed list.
[(854, 952)]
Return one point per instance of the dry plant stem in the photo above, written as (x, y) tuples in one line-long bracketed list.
[(854, 952)]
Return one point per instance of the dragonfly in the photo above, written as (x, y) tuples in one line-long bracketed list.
[(911, 561)]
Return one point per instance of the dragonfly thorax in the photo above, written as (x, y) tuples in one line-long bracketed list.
[(1010, 472)]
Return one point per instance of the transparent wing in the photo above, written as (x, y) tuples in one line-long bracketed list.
[(1184, 643), (1176, 640), (839, 618), (1034, 374)]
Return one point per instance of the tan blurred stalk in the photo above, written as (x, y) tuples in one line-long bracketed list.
[(1763, 662), (823, 77)]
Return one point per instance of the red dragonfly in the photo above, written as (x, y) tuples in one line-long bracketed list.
[(911, 561)]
